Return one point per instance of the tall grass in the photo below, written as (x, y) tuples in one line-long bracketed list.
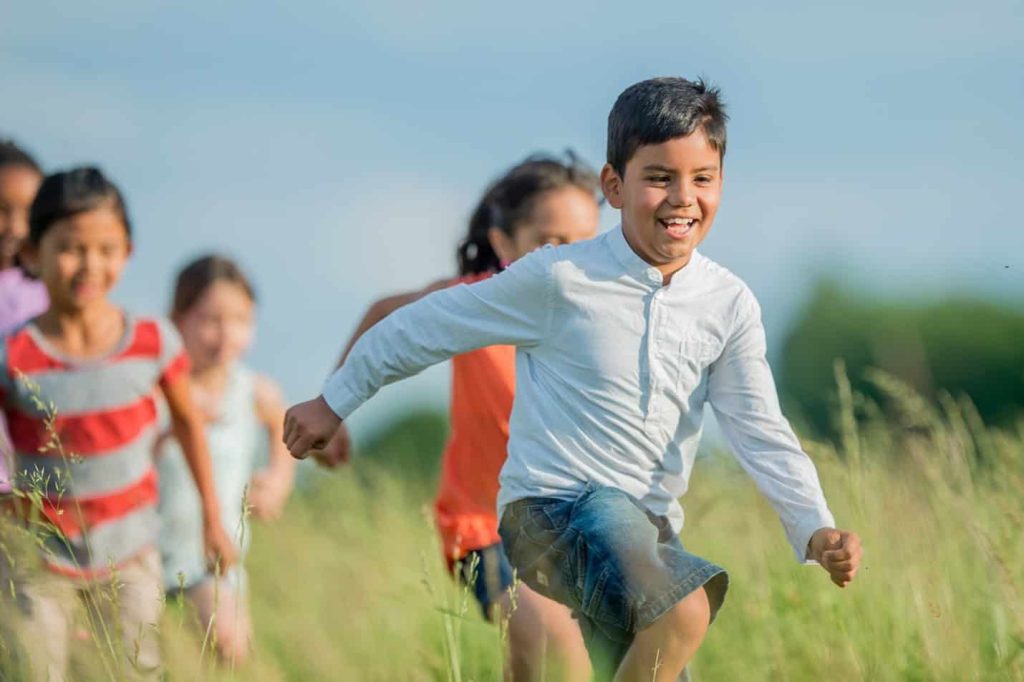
[(350, 585)]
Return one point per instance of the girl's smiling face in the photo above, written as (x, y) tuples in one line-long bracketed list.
[(81, 258), (218, 328)]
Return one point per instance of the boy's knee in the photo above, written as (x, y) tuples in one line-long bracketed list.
[(689, 617)]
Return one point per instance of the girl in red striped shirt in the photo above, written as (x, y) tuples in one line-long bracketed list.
[(78, 386)]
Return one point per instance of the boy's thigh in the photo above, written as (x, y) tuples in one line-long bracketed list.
[(603, 554)]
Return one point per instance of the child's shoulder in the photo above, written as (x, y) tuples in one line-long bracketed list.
[(152, 335), (19, 347), (574, 257), (722, 278)]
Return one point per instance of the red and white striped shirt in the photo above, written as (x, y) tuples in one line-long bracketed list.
[(99, 489)]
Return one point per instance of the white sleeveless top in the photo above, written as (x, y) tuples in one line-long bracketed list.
[(238, 445)]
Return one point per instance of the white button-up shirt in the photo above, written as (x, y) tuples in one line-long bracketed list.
[(612, 374)]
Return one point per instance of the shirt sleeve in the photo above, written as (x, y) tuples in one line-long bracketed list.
[(173, 361), (510, 308), (742, 393)]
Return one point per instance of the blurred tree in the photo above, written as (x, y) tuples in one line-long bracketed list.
[(410, 447), (963, 346)]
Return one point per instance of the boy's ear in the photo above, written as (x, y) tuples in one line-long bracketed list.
[(611, 185)]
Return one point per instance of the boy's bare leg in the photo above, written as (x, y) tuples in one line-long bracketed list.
[(661, 651), (544, 640)]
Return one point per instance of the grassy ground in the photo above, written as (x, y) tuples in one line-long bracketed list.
[(349, 585)]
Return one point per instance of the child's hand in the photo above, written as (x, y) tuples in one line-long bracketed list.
[(338, 450), (309, 426), (268, 493), (838, 552), (220, 550)]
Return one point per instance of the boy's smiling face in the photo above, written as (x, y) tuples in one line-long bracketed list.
[(668, 196)]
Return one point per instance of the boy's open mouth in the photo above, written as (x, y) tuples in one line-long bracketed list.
[(678, 228)]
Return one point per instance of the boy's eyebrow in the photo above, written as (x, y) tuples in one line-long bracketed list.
[(666, 169), (658, 167)]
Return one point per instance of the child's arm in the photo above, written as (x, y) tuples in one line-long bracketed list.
[(513, 307), (742, 393), (188, 429), (338, 449), (271, 486)]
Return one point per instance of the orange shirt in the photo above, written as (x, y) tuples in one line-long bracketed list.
[(483, 387)]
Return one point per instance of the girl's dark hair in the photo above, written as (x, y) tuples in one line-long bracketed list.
[(13, 155), (71, 192), (510, 199), (202, 273)]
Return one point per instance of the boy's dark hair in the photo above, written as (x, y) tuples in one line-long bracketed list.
[(195, 278), (660, 109), (13, 155), (509, 200), (71, 192)]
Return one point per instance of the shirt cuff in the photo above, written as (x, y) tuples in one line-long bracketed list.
[(342, 400), (800, 535)]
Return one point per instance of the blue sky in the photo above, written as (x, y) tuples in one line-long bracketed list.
[(336, 149)]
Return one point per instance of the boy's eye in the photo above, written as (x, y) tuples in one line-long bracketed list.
[(658, 179), (704, 179)]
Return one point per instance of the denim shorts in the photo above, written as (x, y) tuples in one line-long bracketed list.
[(615, 564), (489, 574)]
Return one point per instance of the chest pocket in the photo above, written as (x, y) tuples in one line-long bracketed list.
[(696, 353)]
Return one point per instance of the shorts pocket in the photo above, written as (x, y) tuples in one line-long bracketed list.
[(544, 523)]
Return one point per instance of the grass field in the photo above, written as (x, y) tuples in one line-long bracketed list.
[(350, 586)]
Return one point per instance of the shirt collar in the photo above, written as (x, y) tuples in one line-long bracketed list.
[(636, 266)]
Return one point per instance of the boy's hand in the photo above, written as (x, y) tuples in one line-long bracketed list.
[(220, 550), (338, 450), (309, 426), (838, 552)]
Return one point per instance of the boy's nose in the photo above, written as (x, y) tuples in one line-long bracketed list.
[(681, 195)]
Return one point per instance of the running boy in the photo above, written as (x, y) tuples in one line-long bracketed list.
[(621, 341), (542, 200)]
